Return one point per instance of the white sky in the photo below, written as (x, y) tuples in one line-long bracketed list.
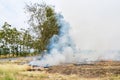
[(94, 23)]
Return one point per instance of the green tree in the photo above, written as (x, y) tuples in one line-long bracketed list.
[(44, 23), (26, 41), (15, 42), (2, 34), (6, 37), (1, 41)]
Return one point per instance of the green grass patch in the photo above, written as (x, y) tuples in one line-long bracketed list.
[(8, 77), (115, 77)]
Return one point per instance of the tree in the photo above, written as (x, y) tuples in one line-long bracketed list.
[(6, 37), (15, 40), (12, 41), (2, 34), (26, 40), (44, 23)]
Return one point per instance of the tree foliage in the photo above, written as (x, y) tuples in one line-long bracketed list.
[(44, 23), (12, 41)]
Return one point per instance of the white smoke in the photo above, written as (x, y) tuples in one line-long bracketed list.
[(63, 50)]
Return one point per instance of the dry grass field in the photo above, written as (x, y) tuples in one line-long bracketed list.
[(104, 70)]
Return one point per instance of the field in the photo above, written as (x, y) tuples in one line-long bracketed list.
[(19, 70)]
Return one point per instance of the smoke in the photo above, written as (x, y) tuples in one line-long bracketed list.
[(62, 49)]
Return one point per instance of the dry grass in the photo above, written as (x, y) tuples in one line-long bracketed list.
[(13, 71), (19, 72)]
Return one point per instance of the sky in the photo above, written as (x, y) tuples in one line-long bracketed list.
[(94, 23)]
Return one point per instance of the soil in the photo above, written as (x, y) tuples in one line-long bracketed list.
[(97, 69)]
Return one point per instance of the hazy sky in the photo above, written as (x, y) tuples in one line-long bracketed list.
[(94, 23)]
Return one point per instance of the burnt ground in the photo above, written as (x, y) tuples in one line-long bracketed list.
[(97, 69)]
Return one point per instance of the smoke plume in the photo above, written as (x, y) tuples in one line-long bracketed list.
[(62, 50)]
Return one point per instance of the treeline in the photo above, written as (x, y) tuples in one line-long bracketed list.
[(15, 42), (43, 24)]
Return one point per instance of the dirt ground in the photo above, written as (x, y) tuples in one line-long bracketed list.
[(98, 69)]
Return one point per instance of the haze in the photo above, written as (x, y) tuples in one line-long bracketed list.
[(94, 23)]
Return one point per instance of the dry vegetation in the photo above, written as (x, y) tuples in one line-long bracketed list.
[(13, 70)]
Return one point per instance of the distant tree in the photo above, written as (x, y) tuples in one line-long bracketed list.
[(44, 23), (2, 34), (26, 40), (14, 42), (6, 37)]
